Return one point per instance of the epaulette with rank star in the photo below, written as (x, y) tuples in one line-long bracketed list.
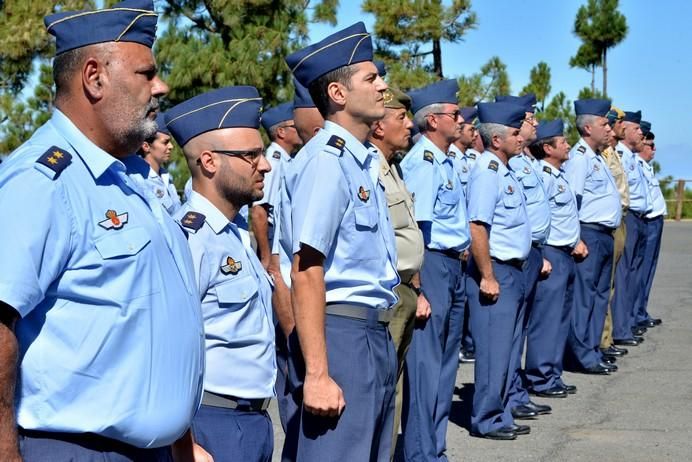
[(56, 160), (493, 165), (471, 155), (582, 149), (451, 154), (428, 156), (193, 221), (276, 155), (337, 142), (547, 169)]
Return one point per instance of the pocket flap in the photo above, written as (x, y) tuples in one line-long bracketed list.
[(366, 216), (236, 290), (122, 243)]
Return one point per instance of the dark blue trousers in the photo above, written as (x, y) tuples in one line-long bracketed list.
[(550, 320), (362, 361), (629, 281), (69, 447), (433, 359), (231, 435), (518, 394), (654, 232), (591, 292), (493, 326)]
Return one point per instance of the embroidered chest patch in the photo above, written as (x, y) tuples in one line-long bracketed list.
[(231, 266), (363, 194), (114, 220)]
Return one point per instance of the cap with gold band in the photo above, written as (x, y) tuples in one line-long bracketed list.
[(348, 46), (223, 108), (396, 99), (127, 21)]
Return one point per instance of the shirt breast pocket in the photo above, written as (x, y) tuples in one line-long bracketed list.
[(447, 202), (598, 186), (123, 244), (236, 293), (511, 201), (562, 197), (398, 211), (365, 217)]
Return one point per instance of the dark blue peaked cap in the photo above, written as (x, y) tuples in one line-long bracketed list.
[(127, 21), (468, 114), (597, 107), (348, 46), (635, 117), (223, 108), (302, 96), (508, 114), (444, 91), (161, 123), (549, 129), (276, 115), (645, 127), (381, 69), (528, 101)]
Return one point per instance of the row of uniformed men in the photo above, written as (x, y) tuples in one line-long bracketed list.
[(113, 305)]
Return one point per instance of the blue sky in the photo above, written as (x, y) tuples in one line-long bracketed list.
[(650, 70)]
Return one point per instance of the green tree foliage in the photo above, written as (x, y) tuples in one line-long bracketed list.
[(561, 108), (539, 83), (586, 93), (587, 58), (408, 31), (492, 80), (600, 25)]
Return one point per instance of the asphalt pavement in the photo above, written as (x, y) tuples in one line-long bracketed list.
[(643, 412)]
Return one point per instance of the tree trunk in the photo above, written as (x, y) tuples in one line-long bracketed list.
[(437, 58), (605, 74), (593, 79)]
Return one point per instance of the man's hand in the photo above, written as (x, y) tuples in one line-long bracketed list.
[(546, 269), (580, 251), (490, 288), (322, 396), (8, 377), (423, 310), (186, 450)]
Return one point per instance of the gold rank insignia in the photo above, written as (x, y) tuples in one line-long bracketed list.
[(493, 165), (582, 149), (363, 194), (231, 267), (471, 155), (546, 169), (193, 221), (114, 220), (56, 160), (428, 156), (451, 154)]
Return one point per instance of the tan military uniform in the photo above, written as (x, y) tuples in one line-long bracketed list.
[(409, 246), (612, 160)]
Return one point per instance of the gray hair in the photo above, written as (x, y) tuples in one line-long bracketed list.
[(584, 120), (420, 118), (488, 130)]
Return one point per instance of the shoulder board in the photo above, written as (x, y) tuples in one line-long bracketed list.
[(336, 142), (451, 154), (193, 221), (56, 160), (582, 149), (471, 155), (621, 152), (547, 169), (493, 165), (428, 156), (276, 155)]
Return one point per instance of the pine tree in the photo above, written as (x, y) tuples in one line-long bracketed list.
[(539, 83)]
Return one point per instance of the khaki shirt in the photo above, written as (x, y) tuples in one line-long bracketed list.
[(614, 163), (409, 238)]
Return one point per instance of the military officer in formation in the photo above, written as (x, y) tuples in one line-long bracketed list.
[(367, 270)]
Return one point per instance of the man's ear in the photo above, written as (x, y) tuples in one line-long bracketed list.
[(337, 93), (377, 129), (208, 162), (93, 78)]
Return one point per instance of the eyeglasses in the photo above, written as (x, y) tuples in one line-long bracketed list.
[(288, 126), (530, 120), (252, 156), (456, 115)]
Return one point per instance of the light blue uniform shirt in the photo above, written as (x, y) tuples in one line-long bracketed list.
[(281, 214), (564, 217), (111, 337), (526, 169), (275, 155), (160, 184), (640, 195), (236, 294), (461, 165), (439, 199), (658, 202), (338, 210), (187, 192), (496, 199), (590, 178)]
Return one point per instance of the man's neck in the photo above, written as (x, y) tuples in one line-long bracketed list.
[(628, 146), (592, 145), (557, 163), (358, 128), (438, 140), (155, 166), (208, 190)]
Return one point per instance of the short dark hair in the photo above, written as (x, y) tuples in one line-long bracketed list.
[(650, 136), (64, 67), (318, 88), (537, 149)]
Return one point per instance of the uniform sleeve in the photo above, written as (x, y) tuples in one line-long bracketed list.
[(483, 189), (35, 238), (576, 169), (420, 181), (200, 262), (319, 202)]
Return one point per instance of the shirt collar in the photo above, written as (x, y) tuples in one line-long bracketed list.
[(96, 159), (437, 152), (274, 146), (213, 216), (351, 144), (502, 168), (553, 170), (590, 151), (624, 149)]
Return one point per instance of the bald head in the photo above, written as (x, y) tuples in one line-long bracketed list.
[(308, 121)]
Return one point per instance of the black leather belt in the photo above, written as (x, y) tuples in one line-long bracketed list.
[(598, 227), (536, 244), (515, 262), (359, 312), (231, 402), (447, 252), (564, 248)]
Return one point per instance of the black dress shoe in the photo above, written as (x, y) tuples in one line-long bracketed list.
[(555, 392), (523, 412), (613, 351), (647, 323), (656, 321), (638, 330), (505, 433), (540, 409), (624, 351), (639, 339), (570, 389), (626, 342), (521, 429), (610, 367), (598, 369), (609, 359)]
